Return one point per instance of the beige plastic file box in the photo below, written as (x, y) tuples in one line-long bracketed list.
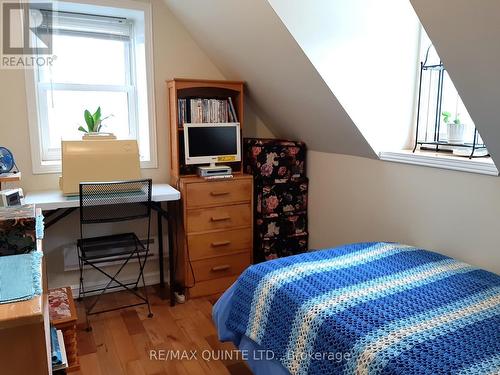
[(98, 161)]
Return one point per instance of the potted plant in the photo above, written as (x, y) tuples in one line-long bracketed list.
[(93, 122), (455, 129)]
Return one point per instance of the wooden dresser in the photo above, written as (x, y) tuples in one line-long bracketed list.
[(216, 234)]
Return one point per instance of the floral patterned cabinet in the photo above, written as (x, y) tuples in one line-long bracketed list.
[(281, 189)]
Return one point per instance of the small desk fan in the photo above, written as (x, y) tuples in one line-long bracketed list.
[(7, 162)]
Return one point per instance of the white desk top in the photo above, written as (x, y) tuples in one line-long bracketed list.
[(54, 199)]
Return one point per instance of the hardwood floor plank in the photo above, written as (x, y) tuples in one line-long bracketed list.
[(109, 362), (154, 331), (89, 364), (123, 341), (233, 356), (85, 340), (132, 321), (205, 307), (143, 346), (239, 368), (134, 368), (184, 310), (202, 347)]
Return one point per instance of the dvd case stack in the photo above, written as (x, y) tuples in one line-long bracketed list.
[(281, 191), (198, 110)]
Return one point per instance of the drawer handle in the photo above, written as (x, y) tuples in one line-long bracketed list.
[(220, 218), (218, 193), (220, 243), (220, 268)]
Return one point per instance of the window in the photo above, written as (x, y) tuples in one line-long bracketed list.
[(431, 112), (451, 101), (100, 61)]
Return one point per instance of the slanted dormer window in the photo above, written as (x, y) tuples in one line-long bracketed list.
[(444, 134), (443, 122)]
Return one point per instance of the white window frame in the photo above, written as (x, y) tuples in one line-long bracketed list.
[(435, 160), (50, 161)]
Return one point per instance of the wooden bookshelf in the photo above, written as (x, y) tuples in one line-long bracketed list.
[(214, 222), (9, 177), (25, 331), (181, 88)]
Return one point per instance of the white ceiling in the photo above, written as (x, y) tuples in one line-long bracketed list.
[(365, 51)]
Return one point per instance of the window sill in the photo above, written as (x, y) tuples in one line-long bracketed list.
[(54, 167), (437, 160)]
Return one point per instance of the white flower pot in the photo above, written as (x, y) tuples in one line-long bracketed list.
[(98, 135), (455, 133)]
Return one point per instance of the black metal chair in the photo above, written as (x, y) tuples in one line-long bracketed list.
[(110, 202)]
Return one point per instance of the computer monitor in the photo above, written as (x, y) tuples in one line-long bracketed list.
[(212, 143)]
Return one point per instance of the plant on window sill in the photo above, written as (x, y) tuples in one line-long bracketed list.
[(93, 121), (455, 129)]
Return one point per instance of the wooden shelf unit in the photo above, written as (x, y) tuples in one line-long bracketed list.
[(9, 177), (181, 88), (215, 219), (25, 334)]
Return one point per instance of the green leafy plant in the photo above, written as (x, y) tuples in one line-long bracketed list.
[(447, 117), (93, 121)]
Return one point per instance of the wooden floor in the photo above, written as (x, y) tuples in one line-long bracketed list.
[(121, 341)]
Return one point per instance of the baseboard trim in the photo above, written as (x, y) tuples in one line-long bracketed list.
[(152, 278)]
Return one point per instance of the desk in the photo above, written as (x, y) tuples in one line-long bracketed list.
[(56, 206)]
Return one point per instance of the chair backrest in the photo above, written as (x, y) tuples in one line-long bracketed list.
[(107, 202)]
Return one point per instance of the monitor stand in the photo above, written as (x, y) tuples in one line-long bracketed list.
[(214, 170)]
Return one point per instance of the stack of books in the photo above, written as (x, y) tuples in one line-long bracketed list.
[(198, 110), (59, 359)]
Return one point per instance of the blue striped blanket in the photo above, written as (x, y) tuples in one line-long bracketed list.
[(371, 308)]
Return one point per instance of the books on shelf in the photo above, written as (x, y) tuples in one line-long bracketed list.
[(232, 111), (198, 110), (59, 358)]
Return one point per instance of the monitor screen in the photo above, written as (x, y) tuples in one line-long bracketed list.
[(213, 140)]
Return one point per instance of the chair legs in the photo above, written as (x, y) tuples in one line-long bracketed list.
[(131, 287), (141, 275), (81, 289)]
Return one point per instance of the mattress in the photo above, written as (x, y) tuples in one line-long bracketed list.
[(368, 308)]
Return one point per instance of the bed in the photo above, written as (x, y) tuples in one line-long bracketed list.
[(366, 308)]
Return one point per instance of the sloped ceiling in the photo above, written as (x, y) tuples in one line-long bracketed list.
[(465, 34), (366, 52), (248, 41)]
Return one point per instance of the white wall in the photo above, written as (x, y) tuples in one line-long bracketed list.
[(357, 199), (176, 54), (366, 51)]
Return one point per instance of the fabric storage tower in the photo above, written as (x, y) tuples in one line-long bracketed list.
[(280, 196)]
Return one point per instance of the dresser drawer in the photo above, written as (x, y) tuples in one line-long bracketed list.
[(219, 243), (220, 192), (210, 287), (205, 219), (214, 268)]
